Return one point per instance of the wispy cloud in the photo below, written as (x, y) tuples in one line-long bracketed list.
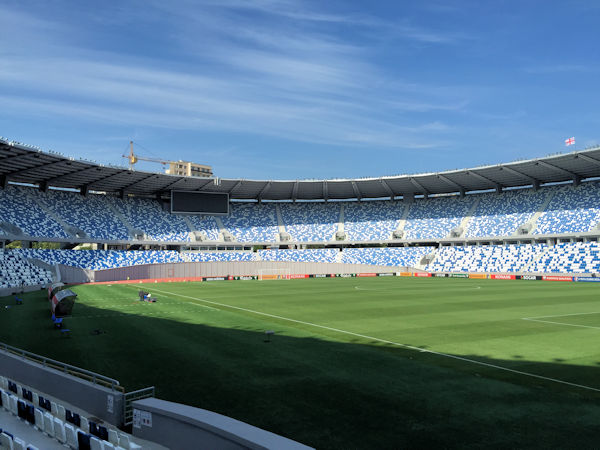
[(296, 82)]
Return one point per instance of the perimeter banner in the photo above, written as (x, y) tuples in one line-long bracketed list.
[(459, 275), (529, 277), (557, 278), (366, 274), (298, 275), (588, 279), (421, 274), (405, 274), (504, 277), (478, 276)]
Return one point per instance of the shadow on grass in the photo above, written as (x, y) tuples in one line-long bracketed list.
[(323, 393)]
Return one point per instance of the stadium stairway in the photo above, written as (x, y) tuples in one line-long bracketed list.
[(68, 229), (132, 232), (464, 223), (531, 224), (399, 231)]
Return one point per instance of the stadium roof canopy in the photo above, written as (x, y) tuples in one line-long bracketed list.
[(24, 164)]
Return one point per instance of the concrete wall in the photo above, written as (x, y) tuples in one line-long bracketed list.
[(180, 426), (212, 269), (83, 394)]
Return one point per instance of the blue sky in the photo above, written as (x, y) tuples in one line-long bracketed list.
[(290, 89)]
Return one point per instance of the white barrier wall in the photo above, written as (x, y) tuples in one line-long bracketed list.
[(213, 269)]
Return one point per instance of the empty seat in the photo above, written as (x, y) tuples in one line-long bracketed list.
[(70, 435), (59, 430), (49, 424)]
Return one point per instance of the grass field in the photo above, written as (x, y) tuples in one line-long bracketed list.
[(354, 362)]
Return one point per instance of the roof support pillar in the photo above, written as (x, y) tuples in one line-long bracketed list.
[(3, 181), (44, 186), (83, 190)]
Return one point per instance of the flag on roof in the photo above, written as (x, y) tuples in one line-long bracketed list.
[(570, 141)]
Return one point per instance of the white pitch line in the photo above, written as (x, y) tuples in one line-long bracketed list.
[(204, 306), (562, 323), (410, 347), (561, 315)]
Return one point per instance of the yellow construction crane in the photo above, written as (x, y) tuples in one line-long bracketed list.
[(133, 158), (183, 168)]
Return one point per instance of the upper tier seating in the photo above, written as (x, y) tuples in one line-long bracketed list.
[(89, 213), (325, 255), (435, 218), (147, 215), (101, 259), (502, 214), (386, 256), (371, 220), (489, 258), (18, 207), (569, 257), (572, 209), (206, 224), (307, 222), (218, 256), (15, 271), (251, 222)]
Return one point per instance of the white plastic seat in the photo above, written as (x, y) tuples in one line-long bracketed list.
[(39, 419), (113, 437), (61, 412), (5, 401), (71, 436), (95, 443), (13, 405), (107, 446), (49, 424), (19, 444), (85, 426), (6, 441), (59, 430)]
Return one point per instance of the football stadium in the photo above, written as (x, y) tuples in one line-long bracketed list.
[(291, 224), (392, 312)]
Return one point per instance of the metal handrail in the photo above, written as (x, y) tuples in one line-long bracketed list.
[(130, 397), (69, 369)]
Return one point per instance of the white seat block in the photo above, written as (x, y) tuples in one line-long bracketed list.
[(6, 441), (59, 430), (5, 401), (36, 399), (54, 408), (107, 446), (71, 436), (134, 446), (19, 444), (62, 414), (3, 383), (95, 443), (85, 426), (49, 424), (123, 440), (13, 405), (113, 437), (39, 419)]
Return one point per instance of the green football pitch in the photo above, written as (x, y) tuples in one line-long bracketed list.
[(353, 362)]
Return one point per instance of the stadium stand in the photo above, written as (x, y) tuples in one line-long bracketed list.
[(218, 256), (205, 224), (326, 255), (372, 220), (569, 257), (251, 222), (488, 258), (15, 271), (90, 214), (502, 214), (435, 218), (147, 215), (51, 424), (572, 209), (307, 222), (101, 259), (18, 208), (386, 256)]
